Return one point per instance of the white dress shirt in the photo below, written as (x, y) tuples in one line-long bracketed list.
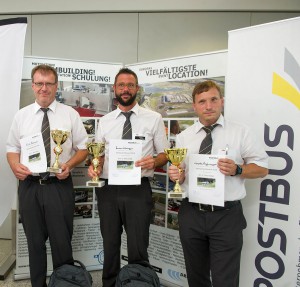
[(28, 121), (146, 125), (243, 147)]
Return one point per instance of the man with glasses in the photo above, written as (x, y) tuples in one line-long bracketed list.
[(128, 205), (46, 200)]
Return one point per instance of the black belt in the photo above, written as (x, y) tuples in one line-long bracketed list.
[(42, 181), (143, 179), (211, 208)]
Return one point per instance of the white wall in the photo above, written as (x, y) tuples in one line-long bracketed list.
[(135, 37), (58, 6)]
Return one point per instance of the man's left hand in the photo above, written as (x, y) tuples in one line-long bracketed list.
[(227, 166), (147, 162), (65, 171)]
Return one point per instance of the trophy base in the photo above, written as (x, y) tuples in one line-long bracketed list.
[(95, 183), (178, 195), (54, 169)]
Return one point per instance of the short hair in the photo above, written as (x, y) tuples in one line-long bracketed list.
[(44, 69), (204, 87), (126, 71)]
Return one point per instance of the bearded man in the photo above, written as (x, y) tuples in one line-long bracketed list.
[(123, 205)]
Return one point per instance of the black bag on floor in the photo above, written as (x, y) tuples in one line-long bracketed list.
[(139, 274), (70, 276)]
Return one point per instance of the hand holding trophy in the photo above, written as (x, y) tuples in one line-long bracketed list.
[(176, 157), (59, 137), (95, 149)]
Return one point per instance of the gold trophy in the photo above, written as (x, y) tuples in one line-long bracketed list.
[(176, 157), (59, 137), (95, 149)]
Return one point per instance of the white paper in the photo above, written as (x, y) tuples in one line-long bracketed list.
[(33, 153), (206, 182), (122, 157)]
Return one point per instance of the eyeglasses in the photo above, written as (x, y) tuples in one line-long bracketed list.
[(40, 84), (130, 86)]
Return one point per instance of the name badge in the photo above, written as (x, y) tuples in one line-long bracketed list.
[(139, 137)]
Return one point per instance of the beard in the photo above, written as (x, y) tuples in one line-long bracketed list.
[(128, 102)]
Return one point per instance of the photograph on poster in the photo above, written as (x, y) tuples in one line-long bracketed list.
[(158, 213), (83, 194), (96, 212), (158, 182), (172, 222), (174, 128), (80, 195), (172, 99), (177, 126), (173, 204), (162, 169), (90, 126), (171, 185), (88, 99), (166, 123), (83, 211)]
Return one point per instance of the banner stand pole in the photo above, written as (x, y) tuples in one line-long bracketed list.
[(8, 264)]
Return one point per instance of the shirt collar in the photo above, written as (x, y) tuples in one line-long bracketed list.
[(199, 125), (135, 110), (52, 106)]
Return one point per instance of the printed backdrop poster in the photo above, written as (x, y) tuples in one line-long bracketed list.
[(166, 87), (12, 38), (263, 91), (87, 87)]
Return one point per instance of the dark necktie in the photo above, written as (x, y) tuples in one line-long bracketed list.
[(46, 135), (206, 144), (127, 131)]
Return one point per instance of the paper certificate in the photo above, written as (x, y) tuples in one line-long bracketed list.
[(33, 153), (206, 182), (122, 157)]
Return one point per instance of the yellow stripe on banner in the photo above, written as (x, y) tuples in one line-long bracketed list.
[(285, 90)]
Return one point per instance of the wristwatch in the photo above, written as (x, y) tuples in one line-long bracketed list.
[(238, 170)]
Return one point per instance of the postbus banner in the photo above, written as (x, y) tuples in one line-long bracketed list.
[(263, 91)]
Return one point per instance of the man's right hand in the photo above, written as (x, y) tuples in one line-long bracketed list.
[(21, 171), (174, 172), (92, 173)]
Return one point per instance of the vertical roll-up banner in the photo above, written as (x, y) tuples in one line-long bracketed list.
[(12, 39), (263, 91), (166, 87), (87, 87)]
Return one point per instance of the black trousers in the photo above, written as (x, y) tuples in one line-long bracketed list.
[(212, 244), (46, 211), (129, 206)]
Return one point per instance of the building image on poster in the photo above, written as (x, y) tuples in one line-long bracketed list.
[(172, 99)]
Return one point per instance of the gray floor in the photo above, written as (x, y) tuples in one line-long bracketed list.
[(5, 252)]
